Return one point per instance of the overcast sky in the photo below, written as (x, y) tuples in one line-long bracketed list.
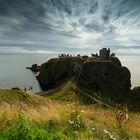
[(55, 26)]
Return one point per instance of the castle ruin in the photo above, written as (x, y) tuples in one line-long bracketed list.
[(104, 54)]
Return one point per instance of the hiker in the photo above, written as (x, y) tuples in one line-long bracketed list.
[(25, 89), (31, 88)]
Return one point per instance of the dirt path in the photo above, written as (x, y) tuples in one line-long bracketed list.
[(42, 93)]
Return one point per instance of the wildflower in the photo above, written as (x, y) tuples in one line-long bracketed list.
[(93, 128), (76, 132), (71, 122), (112, 137), (106, 131), (78, 126), (78, 117), (82, 111)]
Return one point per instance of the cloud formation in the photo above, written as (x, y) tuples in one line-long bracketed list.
[(70, 25)]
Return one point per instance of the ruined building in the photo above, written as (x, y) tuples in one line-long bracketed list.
[(104, 53)]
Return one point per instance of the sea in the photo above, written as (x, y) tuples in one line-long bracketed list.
[(13, 72)]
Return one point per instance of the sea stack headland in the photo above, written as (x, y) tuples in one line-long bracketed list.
[(98, 72), (34, 68)]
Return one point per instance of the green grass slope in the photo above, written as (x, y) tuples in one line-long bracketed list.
[(61, 116)]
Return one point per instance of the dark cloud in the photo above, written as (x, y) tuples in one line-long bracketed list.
[(73, 24), (27, 8)]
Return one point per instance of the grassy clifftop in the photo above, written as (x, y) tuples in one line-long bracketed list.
[(31, 105), (19, 98), (25, 116)]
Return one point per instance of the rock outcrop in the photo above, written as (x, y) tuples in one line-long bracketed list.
[(34, 68), (105, 75), (136, 93), (57, 70), (93, 74), (115, 60)]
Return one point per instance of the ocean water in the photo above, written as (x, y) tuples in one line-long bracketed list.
[(13, 72), (133, 64)]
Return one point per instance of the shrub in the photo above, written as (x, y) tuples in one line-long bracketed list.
[(23, 129)]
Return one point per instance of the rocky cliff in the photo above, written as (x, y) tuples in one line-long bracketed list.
[(57, 70), (104, 75), (34, 68), (91, 73)]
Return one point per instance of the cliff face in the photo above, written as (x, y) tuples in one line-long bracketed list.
[(115, 61), (57, 70), (94, 74), (105, 75)]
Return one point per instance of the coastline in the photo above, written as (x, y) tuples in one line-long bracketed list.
[(11, 74)]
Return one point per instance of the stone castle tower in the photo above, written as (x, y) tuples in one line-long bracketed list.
[(104, 53)]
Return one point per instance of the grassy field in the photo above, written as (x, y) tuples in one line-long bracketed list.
[(62, 115)]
